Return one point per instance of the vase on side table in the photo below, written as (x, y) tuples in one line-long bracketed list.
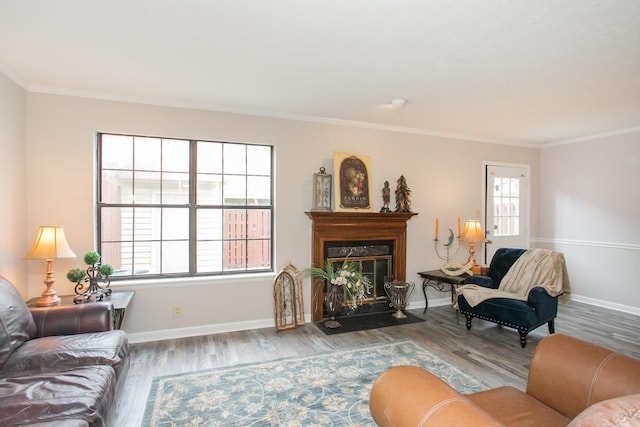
[(333, 299)]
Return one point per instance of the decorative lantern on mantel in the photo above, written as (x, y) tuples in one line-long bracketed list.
[(321, 191)]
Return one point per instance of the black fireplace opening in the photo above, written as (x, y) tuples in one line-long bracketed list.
[(375, 261)]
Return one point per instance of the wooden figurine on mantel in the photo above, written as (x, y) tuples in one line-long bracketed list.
[(386, 197), (403, 203)]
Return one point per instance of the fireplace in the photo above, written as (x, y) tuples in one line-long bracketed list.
[(373, 258), (377, 241)]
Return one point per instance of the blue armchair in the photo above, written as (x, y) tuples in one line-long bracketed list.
[(533, 308)]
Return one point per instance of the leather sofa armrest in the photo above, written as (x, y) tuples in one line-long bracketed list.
[(484, 281), (409, 396), (568, 374), (73, 319)]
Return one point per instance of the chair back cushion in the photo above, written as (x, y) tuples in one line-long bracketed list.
[(16, 322), (569, 375), (501, 262)]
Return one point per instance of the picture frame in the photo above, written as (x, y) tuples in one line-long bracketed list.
[(352, 182)]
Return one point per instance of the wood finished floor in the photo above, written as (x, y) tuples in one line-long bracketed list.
[(491, 353)]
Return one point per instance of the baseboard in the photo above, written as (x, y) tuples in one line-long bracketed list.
[(606, 304), (433, 302), (585, 300), (140, 337), (219, 328), (194, 331)]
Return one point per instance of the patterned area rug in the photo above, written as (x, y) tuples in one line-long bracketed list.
[(329, 389)]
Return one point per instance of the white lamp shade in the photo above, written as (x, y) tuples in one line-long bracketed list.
[(50, 243)]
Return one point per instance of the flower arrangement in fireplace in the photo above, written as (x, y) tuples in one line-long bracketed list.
[(348, 276)]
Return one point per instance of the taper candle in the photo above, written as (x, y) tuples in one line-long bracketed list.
[(437, 224), (458, 226)]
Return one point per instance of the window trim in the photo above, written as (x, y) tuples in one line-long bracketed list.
[(193, 212)]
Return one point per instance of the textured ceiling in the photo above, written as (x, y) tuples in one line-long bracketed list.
[(518, 71)]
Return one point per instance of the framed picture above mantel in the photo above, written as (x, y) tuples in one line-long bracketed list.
[(352, 182)]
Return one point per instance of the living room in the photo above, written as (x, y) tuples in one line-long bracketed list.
[(584, 200)]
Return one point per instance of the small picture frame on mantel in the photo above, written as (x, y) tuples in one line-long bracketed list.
[(352, 182)]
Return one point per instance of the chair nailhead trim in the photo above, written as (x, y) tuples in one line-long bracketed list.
[(499, 322)]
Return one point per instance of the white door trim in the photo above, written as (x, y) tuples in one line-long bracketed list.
[(527, 168)]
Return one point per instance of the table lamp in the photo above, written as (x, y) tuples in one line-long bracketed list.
[(473, 234), (50, 244)]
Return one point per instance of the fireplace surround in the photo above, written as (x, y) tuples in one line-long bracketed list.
[(352, 230)]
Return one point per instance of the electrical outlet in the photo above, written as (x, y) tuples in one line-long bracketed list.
[(177, 311), (477, 213)]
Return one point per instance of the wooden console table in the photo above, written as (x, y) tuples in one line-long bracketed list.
[(119, 299), (437, 279)]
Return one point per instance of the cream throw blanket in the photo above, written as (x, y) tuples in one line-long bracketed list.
[(535, 267)]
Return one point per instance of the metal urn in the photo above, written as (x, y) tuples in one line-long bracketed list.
[(399, 294)]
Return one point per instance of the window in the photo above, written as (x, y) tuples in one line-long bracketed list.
[(176, 207), (506, 205)]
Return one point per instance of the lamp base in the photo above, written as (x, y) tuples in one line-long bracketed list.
[(49, 296), (49, 299), (472, 255)]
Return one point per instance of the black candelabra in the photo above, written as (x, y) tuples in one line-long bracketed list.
[(94, 287)]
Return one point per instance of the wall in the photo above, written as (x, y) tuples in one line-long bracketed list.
[(15, 238), (444, 175), (589, 209)]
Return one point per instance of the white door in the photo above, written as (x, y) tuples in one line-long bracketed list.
[(506, 207)]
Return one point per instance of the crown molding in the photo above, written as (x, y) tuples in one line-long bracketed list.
[(592, 137), (172, 103), (160, 102), (12, 75)]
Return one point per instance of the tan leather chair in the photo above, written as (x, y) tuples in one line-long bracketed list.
[(569, 379)]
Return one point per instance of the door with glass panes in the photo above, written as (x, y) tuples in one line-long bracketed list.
[(506, 207)]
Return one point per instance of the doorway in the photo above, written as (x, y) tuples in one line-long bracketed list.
[(507, 206)]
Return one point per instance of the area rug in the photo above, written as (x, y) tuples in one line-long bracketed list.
[(363, 322), (328, 389)]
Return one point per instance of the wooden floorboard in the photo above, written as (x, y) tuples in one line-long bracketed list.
[(489, 352)]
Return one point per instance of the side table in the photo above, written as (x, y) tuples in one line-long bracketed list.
[(119, 299), (437, 280)]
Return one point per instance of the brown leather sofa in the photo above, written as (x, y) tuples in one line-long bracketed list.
[(60, 365), (571, 382)]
